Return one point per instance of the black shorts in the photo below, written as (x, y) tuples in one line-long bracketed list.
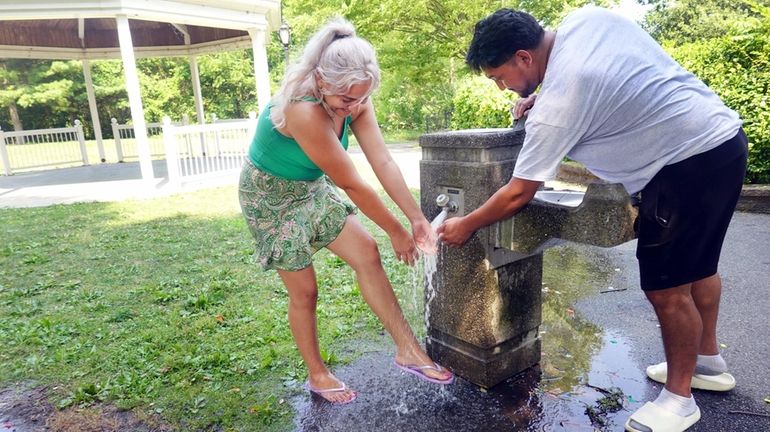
[(684, 214)]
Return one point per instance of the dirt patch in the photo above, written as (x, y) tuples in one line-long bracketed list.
[(26, 408)]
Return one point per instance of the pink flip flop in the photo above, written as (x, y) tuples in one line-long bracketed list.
[(419, 372), (321, 392)]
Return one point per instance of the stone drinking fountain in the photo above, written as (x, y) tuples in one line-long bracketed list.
[(483, 304)]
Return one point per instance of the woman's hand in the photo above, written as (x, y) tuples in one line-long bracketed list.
[(404, 247), (424, 236)]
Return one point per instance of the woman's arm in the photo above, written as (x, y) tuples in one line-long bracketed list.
[(313, 129), (367, 131)]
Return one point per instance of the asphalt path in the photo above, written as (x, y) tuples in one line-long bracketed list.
[(743, 327)]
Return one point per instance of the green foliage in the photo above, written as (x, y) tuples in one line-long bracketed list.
[(478, 103), (42, 92), (684, 21), (421, 47), (737, 68), (166, 88), (228, 84)]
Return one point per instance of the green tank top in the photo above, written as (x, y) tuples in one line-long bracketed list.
[(281, 156)]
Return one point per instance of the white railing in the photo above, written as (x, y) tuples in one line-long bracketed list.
[(125, 139), (26, 150), (197, 151)]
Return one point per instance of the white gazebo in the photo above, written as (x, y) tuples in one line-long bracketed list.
[(126, 29)]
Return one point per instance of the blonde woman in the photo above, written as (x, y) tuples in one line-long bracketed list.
[(293, 209)]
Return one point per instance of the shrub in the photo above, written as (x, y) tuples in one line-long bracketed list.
[(478, 103), (737, 68)]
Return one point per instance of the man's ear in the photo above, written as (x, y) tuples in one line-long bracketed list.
[(524, 56)]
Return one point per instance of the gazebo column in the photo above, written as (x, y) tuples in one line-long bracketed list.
[(260, 66), (196, 82), (94, 111), (194, 73), (134, 97)]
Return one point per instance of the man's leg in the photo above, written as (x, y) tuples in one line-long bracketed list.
[(710, 367), (706, 293), (681, 326)]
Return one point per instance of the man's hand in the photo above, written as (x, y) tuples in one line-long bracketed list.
[(504, 203), (523, 106), (454, 232)]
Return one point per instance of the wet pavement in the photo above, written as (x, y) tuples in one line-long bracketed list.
[(610, 336)]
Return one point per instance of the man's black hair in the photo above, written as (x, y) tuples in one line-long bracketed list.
[(497, 37)]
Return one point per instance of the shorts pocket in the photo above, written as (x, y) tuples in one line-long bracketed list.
[(658, 215)]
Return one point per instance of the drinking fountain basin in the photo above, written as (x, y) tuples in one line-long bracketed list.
[(563, 197)]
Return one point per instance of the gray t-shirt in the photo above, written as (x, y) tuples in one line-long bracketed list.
[(614, 101)]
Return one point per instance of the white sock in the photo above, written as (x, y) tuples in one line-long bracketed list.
[(710, 365), (676, 404)]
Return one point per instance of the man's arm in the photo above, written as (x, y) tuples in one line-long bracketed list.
[(506, 202)]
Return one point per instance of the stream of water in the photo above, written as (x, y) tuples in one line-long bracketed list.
[(430, 262)]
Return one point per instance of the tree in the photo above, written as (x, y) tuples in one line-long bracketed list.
[(10, 71), (44, 87), (730, 51), (675, 22), (228, 85), (421, 46)]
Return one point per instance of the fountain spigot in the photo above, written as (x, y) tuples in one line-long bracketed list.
[(443, 201)]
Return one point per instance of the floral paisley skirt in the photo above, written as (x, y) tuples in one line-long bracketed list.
[(290, 219)]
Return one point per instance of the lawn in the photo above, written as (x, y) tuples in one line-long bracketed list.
[(156, 306)]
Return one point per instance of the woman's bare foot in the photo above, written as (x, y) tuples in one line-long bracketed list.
[(330, 388)]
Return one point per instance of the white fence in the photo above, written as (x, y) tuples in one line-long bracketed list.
[(39, 148), (125, 140), (197, 151)]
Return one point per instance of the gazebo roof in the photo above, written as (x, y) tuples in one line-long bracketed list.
[(73, 29)]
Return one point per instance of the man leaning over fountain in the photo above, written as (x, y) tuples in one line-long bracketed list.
[(613, 100)]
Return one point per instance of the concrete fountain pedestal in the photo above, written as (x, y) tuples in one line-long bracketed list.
[(484, 301)]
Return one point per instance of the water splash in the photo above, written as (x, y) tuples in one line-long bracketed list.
[(430, 264), (421, 286)]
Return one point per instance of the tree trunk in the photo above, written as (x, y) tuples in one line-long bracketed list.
[(17, 126)]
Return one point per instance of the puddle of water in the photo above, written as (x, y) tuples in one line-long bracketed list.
[(578, 360)]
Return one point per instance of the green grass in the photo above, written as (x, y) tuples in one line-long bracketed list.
[(156, 306)]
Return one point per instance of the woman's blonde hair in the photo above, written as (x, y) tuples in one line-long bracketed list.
[(335, 55)]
